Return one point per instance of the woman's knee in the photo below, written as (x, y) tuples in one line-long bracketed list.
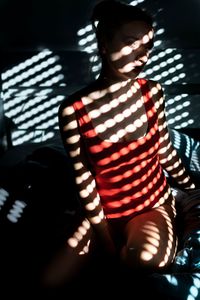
[(143, 260)]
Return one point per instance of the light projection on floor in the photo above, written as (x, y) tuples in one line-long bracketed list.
[(4, 194), (189, 283)]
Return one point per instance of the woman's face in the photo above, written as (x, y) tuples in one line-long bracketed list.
[(127, 52)]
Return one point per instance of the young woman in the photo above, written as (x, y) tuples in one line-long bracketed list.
[(116, 136)]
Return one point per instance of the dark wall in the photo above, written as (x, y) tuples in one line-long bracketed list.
[(55, 23), (41, 22)]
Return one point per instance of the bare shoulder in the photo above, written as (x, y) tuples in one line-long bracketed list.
[(67, 105)]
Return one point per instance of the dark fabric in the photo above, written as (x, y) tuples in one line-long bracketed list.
[(188, 211)]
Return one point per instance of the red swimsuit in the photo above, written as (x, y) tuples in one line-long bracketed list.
[(129, 177)]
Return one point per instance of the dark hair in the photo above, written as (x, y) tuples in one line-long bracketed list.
[(109, 15)]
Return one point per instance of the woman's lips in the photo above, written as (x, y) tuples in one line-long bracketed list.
[(137, 63)]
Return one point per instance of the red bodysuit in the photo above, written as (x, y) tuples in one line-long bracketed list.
[(129, 177)]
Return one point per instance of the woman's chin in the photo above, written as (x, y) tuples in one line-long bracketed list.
[(133, 73)]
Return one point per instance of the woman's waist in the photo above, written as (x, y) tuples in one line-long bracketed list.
[(130, 205), (130, 177)]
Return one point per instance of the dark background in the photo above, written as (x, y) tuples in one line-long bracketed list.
[(30, 24)]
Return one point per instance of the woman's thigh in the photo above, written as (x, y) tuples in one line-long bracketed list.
[(151, 239)]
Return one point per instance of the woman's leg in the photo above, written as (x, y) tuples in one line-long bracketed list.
[(151, 240), (69, 261)]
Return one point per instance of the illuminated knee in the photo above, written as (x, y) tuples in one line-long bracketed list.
[(141, 259)]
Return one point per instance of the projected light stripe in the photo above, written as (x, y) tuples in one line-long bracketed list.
[(4, 194), (27, 63), (177, 115), (136, 2), (189, 283), (195, 161), (152, 244), (37, 136), (15, 213), (29, 108)]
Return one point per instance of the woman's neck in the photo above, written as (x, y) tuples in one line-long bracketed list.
[(114, 83), (111, 77)]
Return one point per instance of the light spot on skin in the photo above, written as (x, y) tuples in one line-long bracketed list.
[(85, 249), (96, 220), (78, 236), (162, 264), (68, 111), (86, 224), (153, 241), (146, 256), (72, 242), (74, 139), (151, 248), (71, 125), (82, 230)]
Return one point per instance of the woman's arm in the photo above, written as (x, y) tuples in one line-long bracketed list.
[(85, 182), (187, 258), (168, 155)]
